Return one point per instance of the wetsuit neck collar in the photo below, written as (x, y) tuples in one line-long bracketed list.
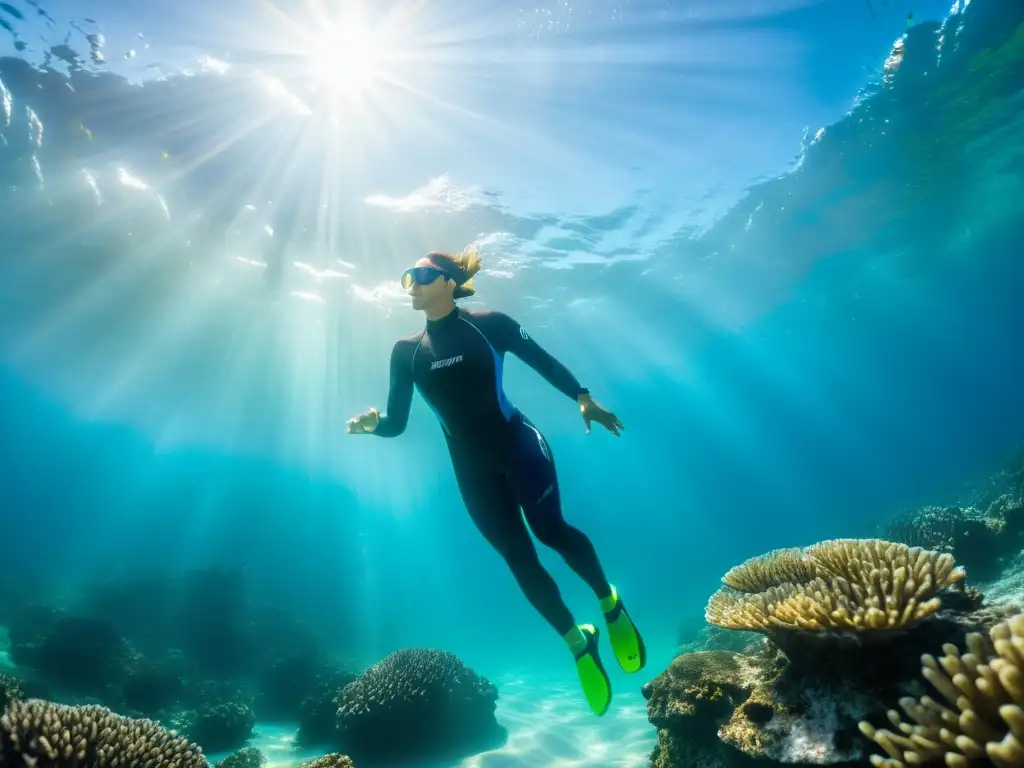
[(451, 317)]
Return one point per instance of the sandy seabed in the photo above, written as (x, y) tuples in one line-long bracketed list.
[(548, 722)]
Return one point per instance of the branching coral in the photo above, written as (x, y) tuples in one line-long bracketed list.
[(760, 573), (982, 719), (36, 732), (842, 584)]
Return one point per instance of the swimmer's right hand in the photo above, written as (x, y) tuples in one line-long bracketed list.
[(364, 424)]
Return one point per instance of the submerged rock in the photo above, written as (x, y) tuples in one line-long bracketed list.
[(219, 727), (719, 708), (691, 700)]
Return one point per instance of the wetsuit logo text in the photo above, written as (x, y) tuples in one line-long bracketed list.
[(446, 362)]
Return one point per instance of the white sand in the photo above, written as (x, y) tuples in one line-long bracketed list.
[(549, 726)]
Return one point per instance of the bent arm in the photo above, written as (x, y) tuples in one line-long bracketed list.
[(392, 422), (515, 339)]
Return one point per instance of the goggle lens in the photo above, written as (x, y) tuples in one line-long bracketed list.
[(420, 276)]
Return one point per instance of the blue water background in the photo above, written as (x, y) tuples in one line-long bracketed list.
[(786, 372)]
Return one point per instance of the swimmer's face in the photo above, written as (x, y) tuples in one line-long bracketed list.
[(426, 294)]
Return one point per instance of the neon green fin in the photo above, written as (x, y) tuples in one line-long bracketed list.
[(624, 636), (596, 686)]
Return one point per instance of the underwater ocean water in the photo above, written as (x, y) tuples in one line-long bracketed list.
[(780, 239)]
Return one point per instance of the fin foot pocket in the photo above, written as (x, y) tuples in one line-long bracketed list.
[(597, 688)]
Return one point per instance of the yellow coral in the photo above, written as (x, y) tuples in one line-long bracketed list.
[(847, 584), (780, 566), (38, 732), (982, 721), (333, 760), (860, 560)]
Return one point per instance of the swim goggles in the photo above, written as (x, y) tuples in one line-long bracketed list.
[(425, 276)]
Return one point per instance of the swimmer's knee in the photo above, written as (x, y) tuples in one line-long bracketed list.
[(521, 561), (553, 533)]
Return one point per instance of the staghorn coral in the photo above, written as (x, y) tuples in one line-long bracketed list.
[(36, 732), (982, 720), (440, 707), (858, 584), (781, 566)]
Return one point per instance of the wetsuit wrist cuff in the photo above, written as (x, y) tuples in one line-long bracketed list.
[(583, 392)]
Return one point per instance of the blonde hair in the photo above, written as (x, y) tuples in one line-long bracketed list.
[(468, 261)]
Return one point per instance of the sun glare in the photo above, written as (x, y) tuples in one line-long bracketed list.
[(345, 60)]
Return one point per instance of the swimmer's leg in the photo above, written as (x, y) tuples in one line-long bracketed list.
[(535, 480), (493, 508)]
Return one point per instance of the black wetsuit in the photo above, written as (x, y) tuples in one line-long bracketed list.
[(502, 462)]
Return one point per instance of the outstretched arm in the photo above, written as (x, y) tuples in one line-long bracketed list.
[(514, 338), (393, 422)]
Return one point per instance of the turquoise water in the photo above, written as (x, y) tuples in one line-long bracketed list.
[(786, 258)]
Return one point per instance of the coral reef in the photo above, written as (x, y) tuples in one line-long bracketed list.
[(761, 573), (711, 638), (187, 649), (219, 727), (81, 655), (842, 584), (249, 757), (441, 708), (150, 688), (689, 702), (36, 732), (983, 528), (285, 685), (10, 690), (330, 761), (318, 712), (830, 652), (731, 710), (982, 719)]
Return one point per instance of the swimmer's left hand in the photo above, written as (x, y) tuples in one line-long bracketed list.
[(592, 411)]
